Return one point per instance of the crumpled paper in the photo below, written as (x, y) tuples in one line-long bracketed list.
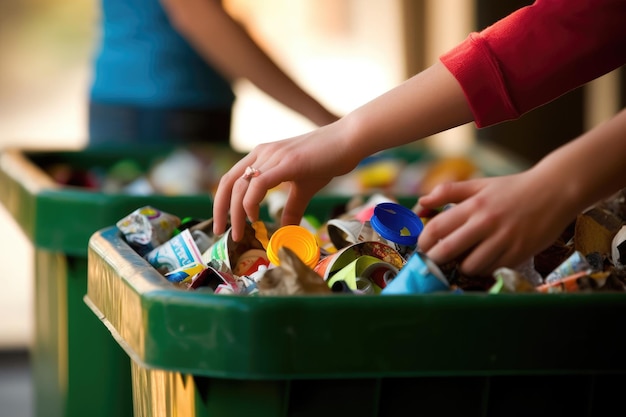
[(618, 248), (292, 277)]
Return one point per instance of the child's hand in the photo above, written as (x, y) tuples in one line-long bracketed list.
[(500, 221)]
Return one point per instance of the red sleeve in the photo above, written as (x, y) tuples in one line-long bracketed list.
[(537, 54)]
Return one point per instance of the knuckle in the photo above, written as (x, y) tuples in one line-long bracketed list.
[(226, 179), (239, 186), (480, 204), (431, 229), (250, 205), (446, 246), (442, 189)]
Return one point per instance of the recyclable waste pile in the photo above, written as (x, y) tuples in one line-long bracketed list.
[(368, 248), (189, 170), (197, 169)]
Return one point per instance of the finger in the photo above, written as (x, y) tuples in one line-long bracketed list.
[(457, 243), (258, 187), (237, 212), (297, 202), (442, 225), (485, 257), (222, 199), (450, 192), (501, 250)]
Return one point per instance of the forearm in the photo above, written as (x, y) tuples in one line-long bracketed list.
[(536, 54), (428, 103), (590, 168), (227, 46)]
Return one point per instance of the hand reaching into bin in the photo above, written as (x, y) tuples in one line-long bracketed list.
[(488, 78), (502, 221), (302, 161), (308, 162)]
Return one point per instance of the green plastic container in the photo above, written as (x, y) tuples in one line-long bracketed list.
[(479, 354), (78, 370)]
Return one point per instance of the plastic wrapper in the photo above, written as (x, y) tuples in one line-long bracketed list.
[(147, 228)]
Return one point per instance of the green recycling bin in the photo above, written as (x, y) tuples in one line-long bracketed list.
[(446, 354), (78, 370)]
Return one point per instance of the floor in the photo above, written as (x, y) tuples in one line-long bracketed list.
[(16, 388)]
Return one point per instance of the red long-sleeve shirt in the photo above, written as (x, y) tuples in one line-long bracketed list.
[(537, 54)]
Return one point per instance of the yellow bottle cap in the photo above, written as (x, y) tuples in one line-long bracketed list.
[(297, 238)]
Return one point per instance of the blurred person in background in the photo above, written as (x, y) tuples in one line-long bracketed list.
[(164, 70)]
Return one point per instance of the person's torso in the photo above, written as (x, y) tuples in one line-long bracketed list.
[(142, 60)]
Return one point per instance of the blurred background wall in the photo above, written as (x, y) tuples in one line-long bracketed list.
[(345, 51), (44, 56)]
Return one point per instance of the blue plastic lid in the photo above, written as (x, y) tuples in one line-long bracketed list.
[(396, 223)]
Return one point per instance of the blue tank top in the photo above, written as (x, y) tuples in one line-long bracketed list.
[(143, 61)]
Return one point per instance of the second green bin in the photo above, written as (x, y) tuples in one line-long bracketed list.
[(78, 370)]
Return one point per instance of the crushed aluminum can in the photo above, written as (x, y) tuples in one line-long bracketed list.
[(330, 265), (227, 250), (366, 274), (343, 233)]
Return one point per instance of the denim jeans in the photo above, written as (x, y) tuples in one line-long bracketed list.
[(128, 125)]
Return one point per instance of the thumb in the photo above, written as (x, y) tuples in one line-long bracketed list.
[(298, 200)]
